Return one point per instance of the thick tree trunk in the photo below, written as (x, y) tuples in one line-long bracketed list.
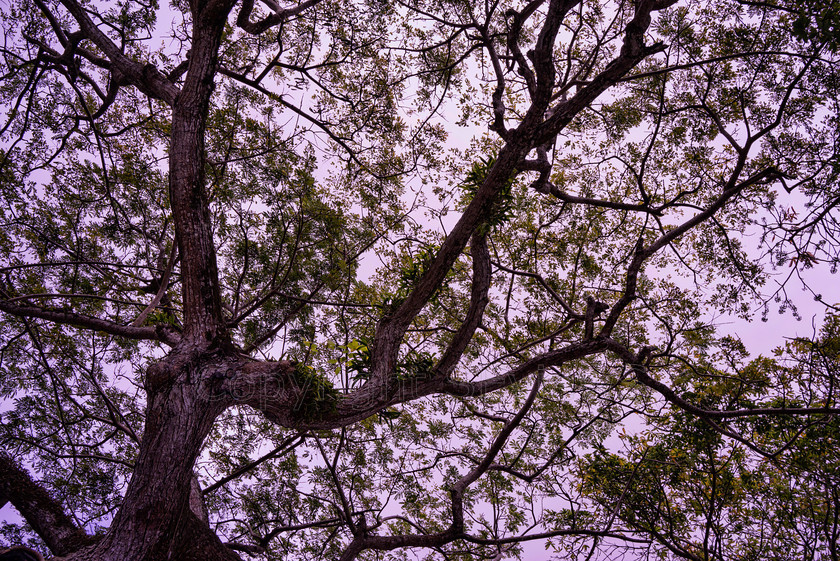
[(155, 521), (188, 197)]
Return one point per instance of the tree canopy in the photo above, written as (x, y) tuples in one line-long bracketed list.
[(418, 280)]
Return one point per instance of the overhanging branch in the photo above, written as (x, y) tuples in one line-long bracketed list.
[(43, 513), (164, 334), (640, 371), (145, 77)]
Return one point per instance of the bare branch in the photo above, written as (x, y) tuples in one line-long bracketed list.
[(164, 334), (478, 301), (277, 18)]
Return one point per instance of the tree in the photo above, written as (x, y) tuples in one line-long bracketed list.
[(239, 318), (780, 502)]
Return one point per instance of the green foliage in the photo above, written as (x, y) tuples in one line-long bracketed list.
[(412, 271), (318, 395), (333, 175), (414, 365), (502, 206), (670, 477), (818, 22)]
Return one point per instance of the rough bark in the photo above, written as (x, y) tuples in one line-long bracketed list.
[(187, 190), (155, 520), (39, 509)]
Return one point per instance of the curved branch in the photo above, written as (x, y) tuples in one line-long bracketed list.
[(640, 371), (145, 77), (39, 509), (559, 194), (545, 360), (278, 17), (641, 253), (478, 301), (633, 51)]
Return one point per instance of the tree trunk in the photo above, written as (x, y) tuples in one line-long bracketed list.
[(155, 521)]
